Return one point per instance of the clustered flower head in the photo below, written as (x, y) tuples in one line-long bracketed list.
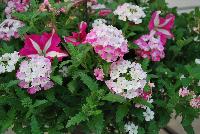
[(130, 12), (126, 79), (184, 92), (150, 47), (34, 74), (195, 102), (99, 74), (9, 28), (8, 62), (131, 128), (16, 6), (108, 42)]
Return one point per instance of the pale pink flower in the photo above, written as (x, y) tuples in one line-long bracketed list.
[(184, 92), (16, 6), (99, 74), (195, 102), (108, 42), (34, 74)]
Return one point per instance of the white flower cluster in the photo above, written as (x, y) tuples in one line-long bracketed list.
[(8, 62), (131, 12), (35, 74), (127, 79), (148, 115), (99, 22), (9, 28), (131, 128)]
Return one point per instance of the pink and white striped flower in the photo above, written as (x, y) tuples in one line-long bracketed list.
[(45, 45)]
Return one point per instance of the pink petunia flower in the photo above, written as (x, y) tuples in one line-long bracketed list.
[(99, 74), (45, 45), (162, 26), (78, 38)]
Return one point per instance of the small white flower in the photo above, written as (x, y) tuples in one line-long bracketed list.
[(131, 128), (98, 6), (182, 77), (197, 61), (8, 62), (149, 115), (99, 22)]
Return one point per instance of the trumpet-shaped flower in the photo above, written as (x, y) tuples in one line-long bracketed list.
[(78, 38), (162, 26), (45, 45)]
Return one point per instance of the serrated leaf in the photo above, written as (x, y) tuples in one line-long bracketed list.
[(58, 79), (35, 127), (114, 98), (75, 120), (122, 110)]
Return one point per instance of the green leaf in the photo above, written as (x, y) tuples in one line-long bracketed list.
[(194, 71), (8, 122), (35, 127), (75, 120), (143, 102), (39, 103), (58, 79), (88, 81), (122, 110), (114, 98), (72, 86), (96, 124)]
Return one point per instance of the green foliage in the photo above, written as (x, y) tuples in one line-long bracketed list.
[(79, 103)]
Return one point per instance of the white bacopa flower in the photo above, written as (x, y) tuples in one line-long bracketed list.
[(148, 115), (99, 22), (8, 62), (126, 79), (131, 128), (197, 61), (130, 12)]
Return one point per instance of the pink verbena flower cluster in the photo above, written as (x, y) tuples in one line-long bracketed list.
[(126, 79), (16, 6), (151, 46), (108, 42), (195, 102), (184, 92), (9, 28), (34, 74), (99, 74)]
